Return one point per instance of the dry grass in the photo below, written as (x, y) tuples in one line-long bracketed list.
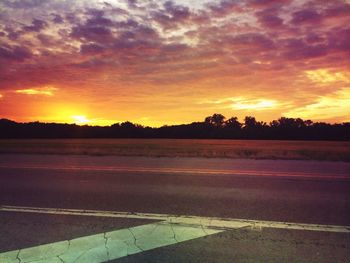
[(258, 149)]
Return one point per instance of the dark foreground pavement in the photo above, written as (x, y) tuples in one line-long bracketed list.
[(287, 191)]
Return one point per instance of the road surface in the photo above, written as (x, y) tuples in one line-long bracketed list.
[(300, 192)]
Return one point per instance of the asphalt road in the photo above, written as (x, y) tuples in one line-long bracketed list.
[(288, 191)]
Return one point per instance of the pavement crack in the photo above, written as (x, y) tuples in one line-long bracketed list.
[(128, 245), (154, 228), (106, 246), (17, 256), (68, 246), (82, 254), (135, 240), (61, 259), (203, 229), (172, 229)]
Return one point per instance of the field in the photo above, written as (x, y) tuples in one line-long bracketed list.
[(242, 149)]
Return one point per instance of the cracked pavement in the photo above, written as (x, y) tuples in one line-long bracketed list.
[(109, 245), (172, 231)]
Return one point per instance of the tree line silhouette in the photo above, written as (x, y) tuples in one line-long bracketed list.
[(213, 127)]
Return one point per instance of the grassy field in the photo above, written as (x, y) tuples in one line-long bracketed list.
[(259, 149)]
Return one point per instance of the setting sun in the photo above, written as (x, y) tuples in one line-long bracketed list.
[(78, 119)]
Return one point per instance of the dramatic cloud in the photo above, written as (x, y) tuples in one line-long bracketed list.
[(158, 61)]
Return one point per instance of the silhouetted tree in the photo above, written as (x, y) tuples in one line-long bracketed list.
[(250, 122), (288, 123), (233, 123), (308, 123), (216, 120), (214, 126), (127, 125)]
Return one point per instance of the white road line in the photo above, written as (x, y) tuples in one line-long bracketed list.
[(109, 245), (194, 221), (231, 172)]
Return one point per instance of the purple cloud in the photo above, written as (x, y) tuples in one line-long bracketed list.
[(306, 16), (36, 26), (269, 18), (268, 3), (313, 38), (57, 19), (91, 49), (339, 39), (132, 3), (224, 7), (255, 40), (14, 53), (172, 15), (338, 10), (11, 33), (296, 49), (92, 33), (23, 4)]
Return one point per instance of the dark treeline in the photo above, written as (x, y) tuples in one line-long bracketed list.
[(213, 127)]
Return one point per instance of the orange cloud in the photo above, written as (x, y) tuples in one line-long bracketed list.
[(242, 103), (324, 76), (46, 91), (325, 107), (259, 104)]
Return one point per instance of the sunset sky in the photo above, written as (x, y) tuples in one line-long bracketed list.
[(169, 62)]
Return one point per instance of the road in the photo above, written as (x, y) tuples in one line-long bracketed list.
[(303, 192)]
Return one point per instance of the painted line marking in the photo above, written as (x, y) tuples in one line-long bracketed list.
[(109, 245), (186, 171), (193, 221)]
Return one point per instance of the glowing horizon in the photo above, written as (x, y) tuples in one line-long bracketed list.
[(173, 62)]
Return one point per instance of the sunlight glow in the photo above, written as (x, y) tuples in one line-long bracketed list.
[(79, 119)]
